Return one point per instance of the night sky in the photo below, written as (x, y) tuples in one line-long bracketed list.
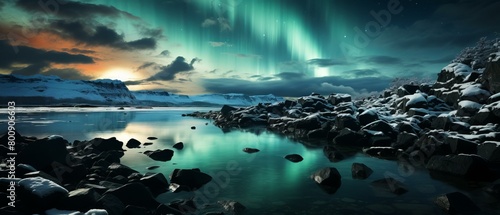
[(283, 47)]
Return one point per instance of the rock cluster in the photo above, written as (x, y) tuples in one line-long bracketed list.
[(86, 177)]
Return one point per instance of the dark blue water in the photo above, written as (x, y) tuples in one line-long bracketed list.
[(264, 182)]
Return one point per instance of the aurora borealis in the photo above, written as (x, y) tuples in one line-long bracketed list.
[(283, 47)]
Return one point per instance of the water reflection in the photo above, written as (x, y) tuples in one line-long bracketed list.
[(264, 181)]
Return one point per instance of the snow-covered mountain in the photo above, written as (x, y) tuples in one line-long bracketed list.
[(161, 98), (52, 90)]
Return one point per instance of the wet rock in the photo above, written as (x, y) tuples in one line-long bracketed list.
[(456, 203), (317, 134), (188, 179), (100, 144), (367, 117), (152, 167), (193, 127), (250, 150), (360, 171), (82, 199), (460, 145), (405, 140), (133, 143), (332, 154), (232, 207), (152, 138), (348, 137), (147, 143), (469, 166), (382, 152), (186, 206), (156, 183), (160, 154), (382, 126), (40, 194), (111, 204), (226, 110), (294, 158), (178, 146), (117, 169), (389, 184), (134, 194), (347, 121), (489, 150), (329, 179), (44, 153)]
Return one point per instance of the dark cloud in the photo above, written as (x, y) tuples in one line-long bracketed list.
[(383, 60), (443, 60), (297, 87), (99, 35), (67, 73), (32, 69), (130, 83), (147, 65), (165, 53), (265, 78), (324, 62), (168, 73), (71, 9), (28, 55), (150, 32), (447, 26), (363, 72), (290, 75), (79, 51)]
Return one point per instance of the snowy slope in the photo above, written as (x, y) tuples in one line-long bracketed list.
[(41, 89), (165, 98), (52, 90)]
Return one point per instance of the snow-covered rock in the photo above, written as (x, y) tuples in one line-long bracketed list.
[(41, 193)]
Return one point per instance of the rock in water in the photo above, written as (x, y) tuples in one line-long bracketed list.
[(188, 179), (134, 194), (44, 153), (133, 143), (294, 158), (456, 203), (360, 171), (390, 184), (332, 154), (152, 138), (82, 199), (179, 145), (470, 166), (160, 155), (328, 178), (193, 127), (232, 207), (250, 150), (40, 194), (157, 183)]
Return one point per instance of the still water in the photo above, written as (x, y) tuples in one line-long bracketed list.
[(264, 182)]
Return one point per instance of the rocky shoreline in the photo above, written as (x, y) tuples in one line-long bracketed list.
[(451, 127), (53, 176)]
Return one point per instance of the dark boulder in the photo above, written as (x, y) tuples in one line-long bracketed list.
[(40, 193), (156, 183), (489, 150), (332, 154), (193, 127), (389, 184), (382, 126), (152, 138), (382, 152), (160, 154), (460, 145), (82, 199), (117, 169), (360, 171), (294, 158), (185, 206), (100, 144), (348, 137), (317, 134), (405, 140), (250, 150), (483, 117), (178, 146), (471, 167), (188, 179), (112, 204), (329, 179), (133, 143), (152, 167), (456, 203), (232, 207), (493, 189), (336, 99), (226, 110), (134, 194), (367, 117), (347, 121), (43, 154)]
